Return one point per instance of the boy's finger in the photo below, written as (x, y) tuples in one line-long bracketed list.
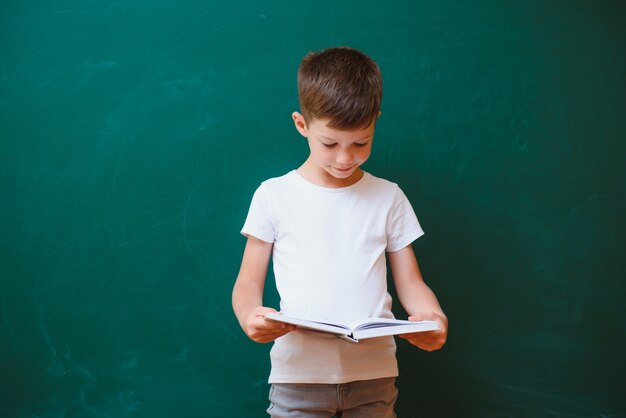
[(423, 316), (269, 336), (272, 326)]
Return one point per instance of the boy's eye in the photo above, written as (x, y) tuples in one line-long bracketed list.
[(356, 144)]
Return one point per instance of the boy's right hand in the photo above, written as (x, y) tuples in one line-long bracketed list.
[(263, 331)]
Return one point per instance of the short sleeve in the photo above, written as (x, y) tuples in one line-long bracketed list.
[(402, 225), (259, 221)]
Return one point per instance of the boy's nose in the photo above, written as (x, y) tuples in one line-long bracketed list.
[(344, 157)]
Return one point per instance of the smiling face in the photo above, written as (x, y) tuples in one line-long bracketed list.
[(336, 155)]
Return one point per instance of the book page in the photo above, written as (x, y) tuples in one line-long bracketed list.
[(317, 325)]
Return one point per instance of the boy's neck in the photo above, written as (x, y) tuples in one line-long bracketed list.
[(319, 177)]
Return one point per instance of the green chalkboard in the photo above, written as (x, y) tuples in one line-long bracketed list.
[(134, 133)]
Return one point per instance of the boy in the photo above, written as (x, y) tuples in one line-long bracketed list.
[(327, 227)]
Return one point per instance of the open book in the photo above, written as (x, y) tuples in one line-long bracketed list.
[(359, 329)]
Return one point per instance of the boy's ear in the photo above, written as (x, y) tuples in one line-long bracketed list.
[(300, 123)]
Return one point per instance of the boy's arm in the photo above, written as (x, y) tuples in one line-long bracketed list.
[(248, 294), (418, 299)]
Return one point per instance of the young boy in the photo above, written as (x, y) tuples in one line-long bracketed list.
[(327, 227)]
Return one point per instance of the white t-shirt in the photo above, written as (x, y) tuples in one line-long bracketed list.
[(329, 262)]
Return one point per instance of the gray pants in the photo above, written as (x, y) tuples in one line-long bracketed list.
[(361, 399)]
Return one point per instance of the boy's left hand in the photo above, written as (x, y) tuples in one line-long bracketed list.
[(429, 340)]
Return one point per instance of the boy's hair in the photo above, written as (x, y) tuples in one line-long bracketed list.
[(340, 84)]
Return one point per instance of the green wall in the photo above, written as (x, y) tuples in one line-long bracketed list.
[(134, 133)]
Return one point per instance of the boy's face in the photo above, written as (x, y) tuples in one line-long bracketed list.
[(335, 154)]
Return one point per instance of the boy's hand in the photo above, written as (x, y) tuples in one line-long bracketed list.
[(263, 331), (429, 340)]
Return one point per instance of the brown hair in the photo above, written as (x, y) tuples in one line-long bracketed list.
[(341, 84)]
